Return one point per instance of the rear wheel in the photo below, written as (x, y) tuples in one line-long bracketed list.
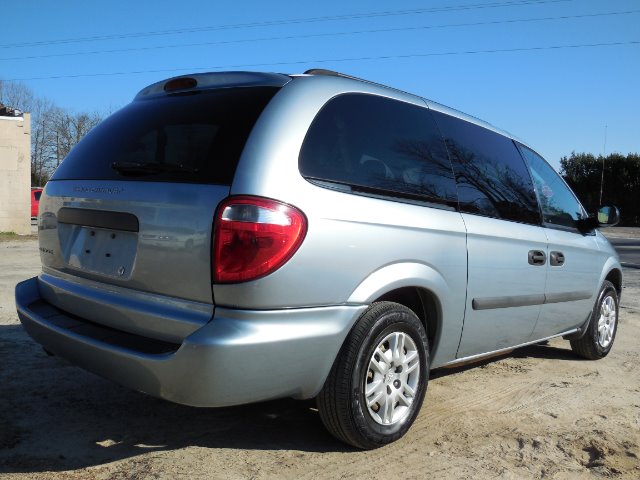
[(598, 339), (379, 379)]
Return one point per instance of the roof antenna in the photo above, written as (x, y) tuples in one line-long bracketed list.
[(604, 151)]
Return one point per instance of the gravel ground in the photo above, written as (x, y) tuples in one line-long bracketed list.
[(537, 413)]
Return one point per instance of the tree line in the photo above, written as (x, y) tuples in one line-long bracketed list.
[(620, 182), (54, 130)]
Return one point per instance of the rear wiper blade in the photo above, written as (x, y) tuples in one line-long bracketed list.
[(139, 168)]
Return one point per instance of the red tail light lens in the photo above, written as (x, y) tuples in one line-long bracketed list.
[(253, 237)]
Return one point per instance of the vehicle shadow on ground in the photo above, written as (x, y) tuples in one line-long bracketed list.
[(54, 416)]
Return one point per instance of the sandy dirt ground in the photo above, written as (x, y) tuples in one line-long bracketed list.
[(537, 413)]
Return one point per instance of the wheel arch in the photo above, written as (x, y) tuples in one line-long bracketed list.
[(615, 277), (418, 287), (424, 304)]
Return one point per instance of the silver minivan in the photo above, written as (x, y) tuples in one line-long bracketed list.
[(236, 237)]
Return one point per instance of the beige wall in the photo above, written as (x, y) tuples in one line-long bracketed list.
[(15, 174)]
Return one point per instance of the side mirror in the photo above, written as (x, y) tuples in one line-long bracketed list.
[(608, 216)]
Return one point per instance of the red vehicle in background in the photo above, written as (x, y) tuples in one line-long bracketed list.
[(35, 200)]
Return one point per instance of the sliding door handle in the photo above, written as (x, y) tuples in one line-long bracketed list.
[(556, 259), (537, 257)]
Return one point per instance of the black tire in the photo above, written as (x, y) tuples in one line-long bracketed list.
[(592, 345), (342, 401)]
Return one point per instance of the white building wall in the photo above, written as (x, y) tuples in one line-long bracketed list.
[(15, 174)]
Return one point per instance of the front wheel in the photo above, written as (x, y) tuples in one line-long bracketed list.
[(601, 332), (378, 381)]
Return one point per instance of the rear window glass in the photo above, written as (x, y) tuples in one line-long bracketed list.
[(376, 145), (196, 138)]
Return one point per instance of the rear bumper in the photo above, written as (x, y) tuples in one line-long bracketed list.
[(240, 356)]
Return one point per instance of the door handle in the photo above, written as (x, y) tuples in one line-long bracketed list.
[(537, 257), (556, 259)]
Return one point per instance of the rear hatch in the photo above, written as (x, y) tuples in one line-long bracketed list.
[(132, 205)]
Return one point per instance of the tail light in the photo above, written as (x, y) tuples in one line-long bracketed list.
[(253, 237)]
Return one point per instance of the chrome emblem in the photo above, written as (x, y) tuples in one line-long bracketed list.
[(121, 271)]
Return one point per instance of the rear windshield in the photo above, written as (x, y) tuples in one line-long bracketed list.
[(196, 137)]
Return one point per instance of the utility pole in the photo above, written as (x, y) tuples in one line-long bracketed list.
[(604, 151), (58, 156)]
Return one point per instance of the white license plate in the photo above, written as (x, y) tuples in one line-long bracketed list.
[(98, 250)]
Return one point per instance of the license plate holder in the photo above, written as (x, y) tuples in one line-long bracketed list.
[(99, 250)]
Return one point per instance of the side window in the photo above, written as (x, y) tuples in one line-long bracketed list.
[(491, 175), (559, 205), (381, 146)]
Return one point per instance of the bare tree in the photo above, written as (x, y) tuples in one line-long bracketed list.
[(54, 130), (16, 95), (41, 131), (69, 130)]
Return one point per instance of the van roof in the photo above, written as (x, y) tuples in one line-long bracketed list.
[(202, 81)]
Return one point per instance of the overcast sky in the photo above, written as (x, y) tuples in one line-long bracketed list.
[(552, 72)]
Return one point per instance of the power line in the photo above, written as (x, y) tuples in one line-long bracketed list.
[(270, 23), (319, 35), (336, 60)]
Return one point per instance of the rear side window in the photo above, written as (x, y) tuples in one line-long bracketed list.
[(376, 145), (195, 137), (492, 177)]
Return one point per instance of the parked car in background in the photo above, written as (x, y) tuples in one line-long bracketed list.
[(237, 237), (35, 200)]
